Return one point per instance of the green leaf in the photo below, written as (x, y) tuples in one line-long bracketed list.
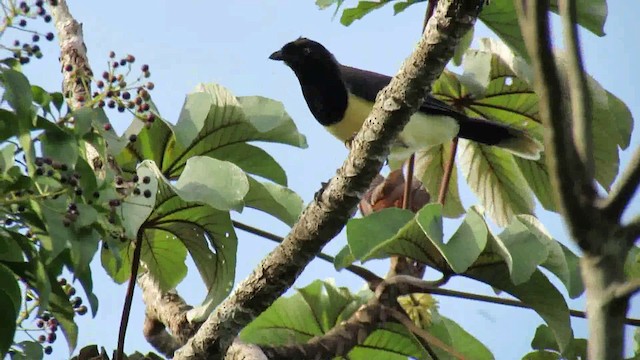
[(88, 215), (10, 250), (219, 184), (10, 300), (135, 209), (164, 257), (31, 350), (194, 115), (7, 159), (391, 342), (41, 97), (366, 235), (537, 176), (401, 6), (17, 92), (272, 121), (252, 160), (494, 177), (83, 248), (632, 265), (316, 309), (510, 66), (217, 268), (291, 319), (116, 261), (229, 121), (466, 244), (178, 225), (545, 340), (343, 258), (620, 113), (61, 308), (561, 261), (459, 339), (57, 236), (87, 284), (429, 167), (364, 7), (276, 200), (59, 144)]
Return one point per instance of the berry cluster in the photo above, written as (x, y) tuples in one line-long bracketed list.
[(49, 324), (46, 166), (115, 93), (23, 51)]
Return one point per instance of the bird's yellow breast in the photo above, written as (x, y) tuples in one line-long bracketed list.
[(355, 115), (422, 130)]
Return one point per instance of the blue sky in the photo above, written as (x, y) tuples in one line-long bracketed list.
[(228, 42)]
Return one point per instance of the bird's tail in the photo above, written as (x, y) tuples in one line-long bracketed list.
[(506, 137)]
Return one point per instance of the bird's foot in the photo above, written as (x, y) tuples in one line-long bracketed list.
[(349, 141), (318, 194)]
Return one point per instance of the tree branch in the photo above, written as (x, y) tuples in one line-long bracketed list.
[(580, 98), (627, 289), (575, 191), (336, 342), (625, 189), (168, 309), (73, 56), (327, 215)]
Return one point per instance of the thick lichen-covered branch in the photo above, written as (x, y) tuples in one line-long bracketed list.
[(325, 217), (568, 142)]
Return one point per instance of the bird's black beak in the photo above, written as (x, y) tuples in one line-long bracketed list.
[(276, 56)]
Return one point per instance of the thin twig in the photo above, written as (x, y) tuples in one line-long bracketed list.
[(448, 171), (625, 189), (627, 289), (507, 302), (372, 279), (128, 300), (574, 190), (580, 98), (406, 195)]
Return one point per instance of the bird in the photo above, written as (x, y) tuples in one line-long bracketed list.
[(341, 97)]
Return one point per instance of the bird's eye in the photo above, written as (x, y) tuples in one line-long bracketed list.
[(306, 50)]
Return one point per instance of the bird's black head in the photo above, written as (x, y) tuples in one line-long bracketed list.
[(303, 53)]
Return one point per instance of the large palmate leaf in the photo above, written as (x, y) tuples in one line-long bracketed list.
[(509, 261), (612, 121), (215, 124), (319, 307), (494, 177), (173, 221)]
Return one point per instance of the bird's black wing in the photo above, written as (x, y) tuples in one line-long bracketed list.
[(366, 85)]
